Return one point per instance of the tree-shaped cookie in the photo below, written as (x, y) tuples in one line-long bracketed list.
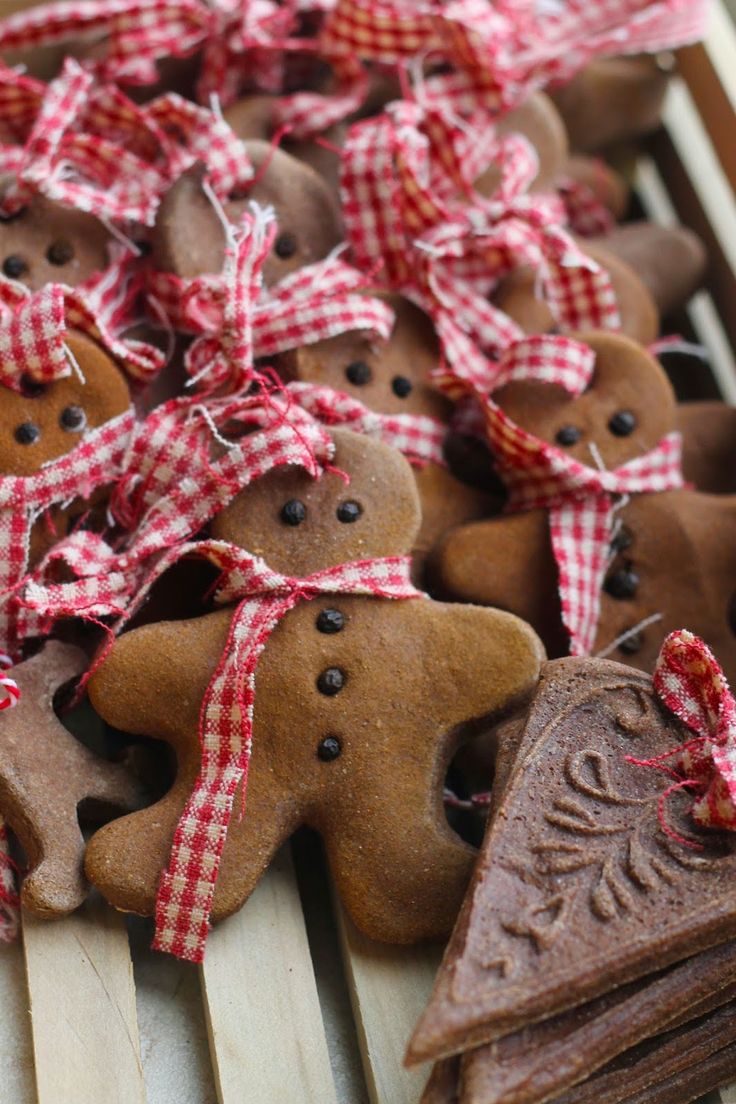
[(46, 775), (394, 377), (664, 558), (359, 702)]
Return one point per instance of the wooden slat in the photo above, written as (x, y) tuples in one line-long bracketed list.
[(82, 999), (389, 988), (267, 1037), (710, 73)]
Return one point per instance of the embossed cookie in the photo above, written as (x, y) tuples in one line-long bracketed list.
[(46, 775), (393, 377), (672, 554), (189, 240), (579, 889), (359, 705), (49, 243)]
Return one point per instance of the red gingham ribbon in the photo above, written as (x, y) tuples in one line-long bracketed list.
[(690, 682), (94, 463), (586, 215), (419, 437), (401, 178), (500, 52), (168, 491), (581, 500), (34, 326), (240, 320), (187, 886)]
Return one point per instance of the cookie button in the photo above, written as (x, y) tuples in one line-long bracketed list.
[(401, 386), (623, 423), (60, 252), (329, 749), (14, 267), (359, 373), (73, 419), (285, 245), (568, 435), (330, 621), (622, 584), (348, 512), (293, 512), (331, 681), (632, 644), (27, 433)]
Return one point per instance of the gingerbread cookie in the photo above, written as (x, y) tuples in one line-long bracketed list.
[(708, 445), (393, 377), (322, 754), (671, 557), (189, 239), (48, 243), (547, 923), (608, 187), (538, 120), (46, 775)]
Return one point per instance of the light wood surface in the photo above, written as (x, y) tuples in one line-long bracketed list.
[(389, 988), (267, 1037), (83, 1013)]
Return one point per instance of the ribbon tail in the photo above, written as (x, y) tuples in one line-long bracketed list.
[(580, 531)]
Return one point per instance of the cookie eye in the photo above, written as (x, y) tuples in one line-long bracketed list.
[(622, 584), (60, 252), (401, 386), (359, 373), (73, 419), (285, 245), (27, 433), (622, 423), (293, 512), (329, 749), (331, 681), (30, 388), (330, 621), (14, 267), (568, 435), (349, 511)]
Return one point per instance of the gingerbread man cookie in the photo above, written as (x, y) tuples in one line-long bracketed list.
[(360, 702), (189, 239), (393, 377), (671, 556), (46, 775)]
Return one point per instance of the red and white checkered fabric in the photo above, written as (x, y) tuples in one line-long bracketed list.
[(419, 437), (34, 326), (187, 886), (169, 489), (24, 500), (409, 204), (240, 320), (9, 899), (586, 215), (581, 500), (500, 52), (690, 681)]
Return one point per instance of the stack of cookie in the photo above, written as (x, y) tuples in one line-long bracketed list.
[(333, 402)]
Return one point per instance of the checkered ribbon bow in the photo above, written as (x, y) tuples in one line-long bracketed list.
[(24, 500), (501, 51), (187, 886), (582, 501), (34, 326), (409, 204), (419, 437), (239, 320)]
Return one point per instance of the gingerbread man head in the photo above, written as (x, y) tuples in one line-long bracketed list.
[(360, 702), (664, 553), (189, 239)]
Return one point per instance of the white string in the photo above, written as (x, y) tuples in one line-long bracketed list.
[(207, 417), (605, 652), (118, 234), (75, 364), (166, 326)]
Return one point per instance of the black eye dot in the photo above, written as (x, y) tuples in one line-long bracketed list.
[(14, 266), (632, 644), (285, 245), (331, 681), (30, 388), (401, 386), (568, 435), (622, 423), (72, 419), (60, 252), (349, 511), (330, 621), (622, 584), (624, 539), (329, 749), (293, 512), (27, 433), (359, 372)]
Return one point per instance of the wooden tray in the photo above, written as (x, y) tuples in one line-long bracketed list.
[(293, 1006)]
